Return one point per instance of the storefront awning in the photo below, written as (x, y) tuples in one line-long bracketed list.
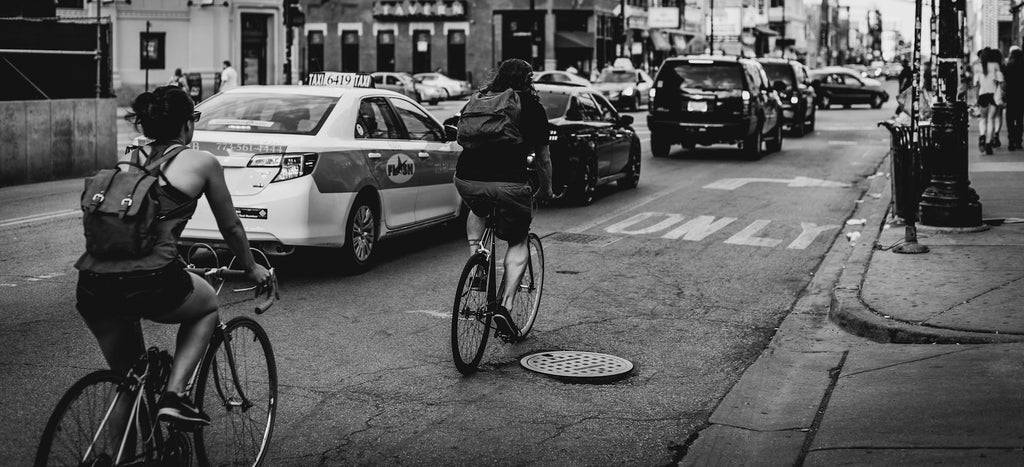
[(574, 40), (660, 41)]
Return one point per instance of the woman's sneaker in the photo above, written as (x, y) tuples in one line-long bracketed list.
[(177, 408)]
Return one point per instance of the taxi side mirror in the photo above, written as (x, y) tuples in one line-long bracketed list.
[(451, 133)]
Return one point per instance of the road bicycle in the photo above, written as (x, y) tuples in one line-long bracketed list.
[(479, 293), (235, 384)]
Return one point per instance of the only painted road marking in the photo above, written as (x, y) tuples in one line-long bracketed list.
[(40, 217), (700, 227), (795, 182)]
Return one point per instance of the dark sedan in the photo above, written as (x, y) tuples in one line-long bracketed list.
[(590, 142), (843, 86)]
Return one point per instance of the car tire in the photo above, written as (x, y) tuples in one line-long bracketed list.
[(659, 146), (775, 145), (584, 185), (751, 145), (877, 101), (825, 102), (362, 230), (632, 169)]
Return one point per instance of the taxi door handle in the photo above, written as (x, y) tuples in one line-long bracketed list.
[(373, 155), (424, 155)]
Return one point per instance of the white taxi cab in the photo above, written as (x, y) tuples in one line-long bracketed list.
[(335, 164)]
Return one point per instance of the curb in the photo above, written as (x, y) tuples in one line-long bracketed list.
[(849, 311)]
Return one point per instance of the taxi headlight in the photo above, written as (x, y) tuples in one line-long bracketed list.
[(652, 93), (794, 100), (627, 92), (291, 165)]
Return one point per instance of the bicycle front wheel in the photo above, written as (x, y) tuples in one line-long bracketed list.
[(527, 300), (237, 388), (470, 320), (88, 424)]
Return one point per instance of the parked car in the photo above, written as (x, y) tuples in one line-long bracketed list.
[(843, 86), (401, 83), (790, 78), (591, 144), (625, 87), (714, 99), (559, 77), (452, 87)]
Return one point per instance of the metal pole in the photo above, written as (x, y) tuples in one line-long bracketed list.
[(949, 201), (711, 37), (147, 65), (99, 51)]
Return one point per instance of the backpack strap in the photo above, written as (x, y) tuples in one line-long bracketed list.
[(171, 152)]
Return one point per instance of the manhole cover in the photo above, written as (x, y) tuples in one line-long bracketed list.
[(583, 239), (577, 366)]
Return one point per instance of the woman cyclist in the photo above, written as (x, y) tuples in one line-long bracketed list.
[(114, 294)]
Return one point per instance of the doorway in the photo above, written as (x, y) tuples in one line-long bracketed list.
[(386, 50), (420, 51), (457, 54), (254, 48), (350, 51)]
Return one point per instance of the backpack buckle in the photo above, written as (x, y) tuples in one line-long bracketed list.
[(98, 197), (127, 202)]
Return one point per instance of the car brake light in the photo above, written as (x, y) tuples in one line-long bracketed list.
[(746, 96), (794, 100), (290, 165)]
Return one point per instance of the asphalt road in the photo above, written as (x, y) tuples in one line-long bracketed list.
[(686, 276)]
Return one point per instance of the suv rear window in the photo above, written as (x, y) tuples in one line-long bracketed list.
[(779, 72), (291, 114), (711, 76)]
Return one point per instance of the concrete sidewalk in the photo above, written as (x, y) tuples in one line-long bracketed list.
[(821, 396)]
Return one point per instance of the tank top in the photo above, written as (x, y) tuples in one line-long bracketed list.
[(176, 208)]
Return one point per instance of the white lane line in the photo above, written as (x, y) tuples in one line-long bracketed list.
[(40, 217), (623, 210), (842, 143), (8, 285), (434, 313)]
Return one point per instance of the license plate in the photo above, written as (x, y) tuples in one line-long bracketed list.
[(696, 106)]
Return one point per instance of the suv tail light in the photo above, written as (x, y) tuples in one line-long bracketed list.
[(290, 165)]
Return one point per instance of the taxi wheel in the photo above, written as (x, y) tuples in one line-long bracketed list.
[(361, 231)]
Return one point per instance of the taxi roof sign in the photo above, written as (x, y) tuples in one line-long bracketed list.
[(340, 80)]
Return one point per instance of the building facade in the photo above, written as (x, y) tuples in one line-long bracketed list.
[(990, 23), (151, 38)]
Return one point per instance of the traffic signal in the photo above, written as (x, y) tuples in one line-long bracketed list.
[(293, 15)]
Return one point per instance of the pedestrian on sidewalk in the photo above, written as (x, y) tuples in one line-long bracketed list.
[(228, 77), (1014, 97), (988, 80), (1000, 97), (178, 80)]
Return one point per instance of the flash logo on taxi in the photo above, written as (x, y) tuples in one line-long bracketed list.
[(400, 168)]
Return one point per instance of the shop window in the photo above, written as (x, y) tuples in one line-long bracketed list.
[(386, 50), (350, 51), (457, 54), (420, 51), (315, 54)]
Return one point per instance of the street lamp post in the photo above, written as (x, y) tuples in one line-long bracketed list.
[(711, 36), (949, 201)]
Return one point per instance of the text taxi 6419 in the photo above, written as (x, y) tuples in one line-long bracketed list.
[(333, 164)]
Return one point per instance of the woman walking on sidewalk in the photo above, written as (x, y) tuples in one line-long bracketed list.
[(1015, 98), (988, 81)]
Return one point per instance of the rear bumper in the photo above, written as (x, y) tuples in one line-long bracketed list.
[(700, 132)]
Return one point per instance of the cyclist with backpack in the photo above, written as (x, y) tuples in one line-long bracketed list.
[(498, 128), (133, 216)]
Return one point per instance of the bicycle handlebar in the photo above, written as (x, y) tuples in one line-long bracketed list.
[(271, 289)]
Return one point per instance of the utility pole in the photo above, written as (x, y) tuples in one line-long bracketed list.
[(711, 36), (949, 200), (99, 50), (823, 38)]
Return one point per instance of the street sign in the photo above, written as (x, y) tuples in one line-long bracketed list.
[(796, 182), (663, 17)]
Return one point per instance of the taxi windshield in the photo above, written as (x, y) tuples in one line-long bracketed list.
[(291, 114)]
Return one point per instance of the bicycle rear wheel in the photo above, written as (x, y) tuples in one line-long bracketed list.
[(470, 320), (82, 429), (527, 300), (237, 388)]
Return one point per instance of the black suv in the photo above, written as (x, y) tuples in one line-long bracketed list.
[(791, 79), (714, 99)]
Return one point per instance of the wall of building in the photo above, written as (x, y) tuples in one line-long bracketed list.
[(197, 39), (51, 139)]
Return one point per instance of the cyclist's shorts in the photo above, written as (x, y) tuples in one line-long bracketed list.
[(514, 213), (133, 295)]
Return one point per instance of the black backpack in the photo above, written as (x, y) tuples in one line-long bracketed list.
[(121, 207), (490, 120)]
